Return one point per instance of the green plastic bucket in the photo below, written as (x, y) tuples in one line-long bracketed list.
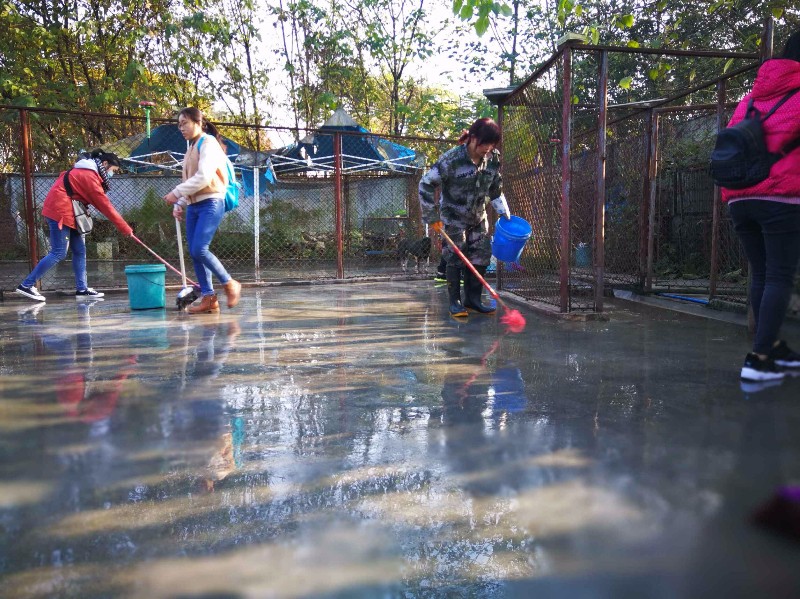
[(146, 286), (148, 330)]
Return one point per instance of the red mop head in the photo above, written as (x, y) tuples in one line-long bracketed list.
[(514, 321)]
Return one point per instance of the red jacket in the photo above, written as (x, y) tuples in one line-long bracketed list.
[(774, 79), (87, 187)]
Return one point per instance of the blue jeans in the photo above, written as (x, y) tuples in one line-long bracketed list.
[(60, 242), (770, 235), (202, 222)]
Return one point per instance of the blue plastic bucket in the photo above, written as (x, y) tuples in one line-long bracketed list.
[(509, 239), (509, 390), (146, 287), (583, 255)]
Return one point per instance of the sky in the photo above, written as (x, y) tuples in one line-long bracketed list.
[(438, 71)]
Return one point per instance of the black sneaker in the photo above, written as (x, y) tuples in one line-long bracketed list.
[(30, 293), (783, 355), (88, 293), (756, 369), (440, 277)]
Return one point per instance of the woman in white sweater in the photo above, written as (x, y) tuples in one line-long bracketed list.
[(202, 193)]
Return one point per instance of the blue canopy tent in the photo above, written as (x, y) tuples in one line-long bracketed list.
[(360, 153), (166, 147)]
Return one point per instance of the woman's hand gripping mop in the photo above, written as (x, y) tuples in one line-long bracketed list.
[(187, 295)]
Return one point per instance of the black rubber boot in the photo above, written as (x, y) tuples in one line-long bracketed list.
[(454, 291), (472, 292), (441, 271)]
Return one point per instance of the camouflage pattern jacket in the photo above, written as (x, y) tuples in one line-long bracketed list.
[(465, 189)]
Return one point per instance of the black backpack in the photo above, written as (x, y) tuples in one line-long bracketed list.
[(740, 158)]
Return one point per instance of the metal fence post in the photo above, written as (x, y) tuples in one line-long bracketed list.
[(256, 223), (499, 263), (716, 197), (337, 171), (644, 210), (600, 207), (652, 169), (768, 39), (566, 171), (30, 218)]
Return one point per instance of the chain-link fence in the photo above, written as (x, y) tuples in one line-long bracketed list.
[(532, 179), (338, 203), (617, 189), (615, 185)]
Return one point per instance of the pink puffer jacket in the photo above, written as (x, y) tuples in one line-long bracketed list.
[(775, 78)]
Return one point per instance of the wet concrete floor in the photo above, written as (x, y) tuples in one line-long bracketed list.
[(354, 441)]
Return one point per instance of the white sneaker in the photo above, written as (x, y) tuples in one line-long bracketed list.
[(88, 294), (31, 310), (30, 293)]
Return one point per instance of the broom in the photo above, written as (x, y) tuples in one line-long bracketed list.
[(513, 319)]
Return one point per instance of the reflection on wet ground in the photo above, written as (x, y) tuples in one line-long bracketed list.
[(352, 441)]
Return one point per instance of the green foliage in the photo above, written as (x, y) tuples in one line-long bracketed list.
[(482, 10), (521, 41), (283, 223), (107, 55), (151, 219)]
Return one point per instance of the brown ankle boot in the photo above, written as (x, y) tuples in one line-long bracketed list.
[(208, 305), (233, 289)]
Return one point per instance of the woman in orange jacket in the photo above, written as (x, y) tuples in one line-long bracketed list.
[(89, 180)]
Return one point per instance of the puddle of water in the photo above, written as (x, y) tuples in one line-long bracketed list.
[(312, 444)]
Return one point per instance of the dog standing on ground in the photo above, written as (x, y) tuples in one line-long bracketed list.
[(418, 249)]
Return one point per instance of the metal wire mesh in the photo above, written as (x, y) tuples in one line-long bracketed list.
[(13, 233), (626, 189), (343, 203), (617, 247), (296, 219), (687, 255), (684, 201), (532, 180)]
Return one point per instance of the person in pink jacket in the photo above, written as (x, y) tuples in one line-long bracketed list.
[(766, 216), (89, 180)]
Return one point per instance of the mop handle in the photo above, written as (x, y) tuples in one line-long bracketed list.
[(160, 259), (180, 251), (464, 259)]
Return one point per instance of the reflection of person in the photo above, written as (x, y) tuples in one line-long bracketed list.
[(211, 354), (468, 449), (202, 192), (468, 175), (89, 181), (207, 411), (81, 389), (227, 458), (766, 216), (93, 400)]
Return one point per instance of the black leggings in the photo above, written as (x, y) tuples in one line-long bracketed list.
[(770, 235)]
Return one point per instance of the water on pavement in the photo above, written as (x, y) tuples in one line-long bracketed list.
[(354, 441)]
